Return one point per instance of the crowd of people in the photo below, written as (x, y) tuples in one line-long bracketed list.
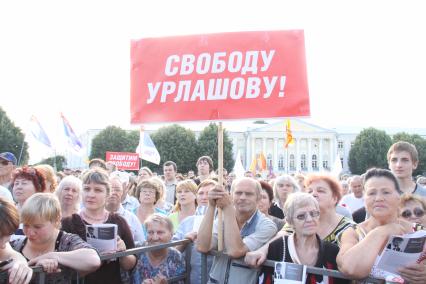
[(340, 223)]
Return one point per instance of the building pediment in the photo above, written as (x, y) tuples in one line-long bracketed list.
[(296, 125)]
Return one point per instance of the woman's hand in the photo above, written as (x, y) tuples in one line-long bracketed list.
[(121, 246), (192, 236), (19, 272), (414, 273), (49, 263), (255, 258)]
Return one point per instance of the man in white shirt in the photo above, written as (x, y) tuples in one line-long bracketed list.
[(169, 170), (355, 199), (114, 205)]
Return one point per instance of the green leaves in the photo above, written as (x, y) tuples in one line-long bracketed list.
[(369, 150), (11, 138)]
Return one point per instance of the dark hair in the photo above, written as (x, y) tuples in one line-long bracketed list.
[(170, 163), (375, 172), (268, 189), (9, 218), (34, 175), (98, 163), (206, 159)]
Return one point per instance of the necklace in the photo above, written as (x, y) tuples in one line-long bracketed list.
[(87, 217)]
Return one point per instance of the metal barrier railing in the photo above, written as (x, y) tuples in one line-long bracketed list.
[(40, 276), (270, 263)]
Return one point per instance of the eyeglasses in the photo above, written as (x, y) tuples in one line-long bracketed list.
[(5, 163), (416, 212), (150, 192), (304, 216)]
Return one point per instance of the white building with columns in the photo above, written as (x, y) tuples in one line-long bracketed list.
[(315, 149)]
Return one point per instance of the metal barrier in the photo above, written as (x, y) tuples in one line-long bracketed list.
[(40, 276), (270, 263)]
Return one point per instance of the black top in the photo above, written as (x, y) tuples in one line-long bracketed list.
[(109, 272), (326, 259), (276, 211), (359, 215)]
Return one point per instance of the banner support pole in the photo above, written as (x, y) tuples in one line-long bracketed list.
[(220, 182)]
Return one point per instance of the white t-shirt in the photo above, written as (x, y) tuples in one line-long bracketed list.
[(351, 202), (5, 193)]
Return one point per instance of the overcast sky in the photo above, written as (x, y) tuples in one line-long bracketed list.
[(366, 60)]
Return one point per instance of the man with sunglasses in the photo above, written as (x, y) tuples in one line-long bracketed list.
[(7, 166)]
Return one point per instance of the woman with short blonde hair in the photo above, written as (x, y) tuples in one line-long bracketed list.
[(48, 246)]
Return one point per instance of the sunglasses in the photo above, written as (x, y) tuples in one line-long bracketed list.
[(304, 216), (5, 163), (416, 212)]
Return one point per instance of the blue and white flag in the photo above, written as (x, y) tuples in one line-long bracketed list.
[(146, 148), (73, 140), (38, 132)]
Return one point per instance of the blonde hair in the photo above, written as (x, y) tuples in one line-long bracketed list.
[(41, 206), (50, 176), (186, 184), (71, 181), (157, 218), (407, 197)]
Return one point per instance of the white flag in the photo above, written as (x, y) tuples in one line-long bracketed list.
[(238, 167), (146, 148), (337, 166)]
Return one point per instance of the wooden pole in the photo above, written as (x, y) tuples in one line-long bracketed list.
[(220, 181)]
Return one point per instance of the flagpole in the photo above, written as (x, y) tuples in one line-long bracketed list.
[(286, 160), (220, 181), (22, 149)]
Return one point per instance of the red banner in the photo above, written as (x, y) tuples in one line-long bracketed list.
[(123, 160), (219, 76)]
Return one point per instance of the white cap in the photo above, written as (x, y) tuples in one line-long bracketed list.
[(123, 176)]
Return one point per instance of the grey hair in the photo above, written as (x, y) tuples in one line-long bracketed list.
[(257, 185), (73, 182), (284, 178), (294, 202)]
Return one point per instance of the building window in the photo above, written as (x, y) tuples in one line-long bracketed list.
[(341, 161), (280, 162), (292, 166), (325, 165), (303, 161), (314, 163), (340, 145)]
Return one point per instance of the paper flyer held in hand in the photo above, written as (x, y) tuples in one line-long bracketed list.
[(289, 273), (401, 251), (103, 237)]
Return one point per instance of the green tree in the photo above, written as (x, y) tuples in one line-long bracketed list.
[(12, 138), (369, 150), (112, 139), (174, 143), (420, 144), (59, 160), (207, 146)]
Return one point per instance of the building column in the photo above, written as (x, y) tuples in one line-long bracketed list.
[(275, 156), (297, 155), (309, 155), (320, 155), (264, 146), (332, 152)]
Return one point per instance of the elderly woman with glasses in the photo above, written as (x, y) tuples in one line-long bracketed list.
[(412, 208), (304, 246)]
